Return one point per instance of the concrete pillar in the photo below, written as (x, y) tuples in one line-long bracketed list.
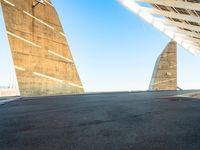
[(165, 72), (41, 54)]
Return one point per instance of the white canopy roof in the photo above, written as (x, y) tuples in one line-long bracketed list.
[(178, 19)]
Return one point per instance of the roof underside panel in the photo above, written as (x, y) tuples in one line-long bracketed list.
[(178, 19)]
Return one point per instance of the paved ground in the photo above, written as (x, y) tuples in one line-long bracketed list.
[(191, 94), (4, 100), (115, 121)]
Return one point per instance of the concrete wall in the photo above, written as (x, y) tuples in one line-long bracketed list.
[(41, 54), (9, 92), (165, 72)]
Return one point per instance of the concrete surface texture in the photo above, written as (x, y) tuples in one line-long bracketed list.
[(165, 72), (113, 121), (41, 54)]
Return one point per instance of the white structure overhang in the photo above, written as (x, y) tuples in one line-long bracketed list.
[(178, 19)]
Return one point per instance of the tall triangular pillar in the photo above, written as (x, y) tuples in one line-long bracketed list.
[(41, 54), (165, 72)]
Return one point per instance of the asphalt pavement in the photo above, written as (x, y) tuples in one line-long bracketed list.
[(102, 121), (4, 100)]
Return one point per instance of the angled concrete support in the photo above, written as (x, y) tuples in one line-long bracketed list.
[(165, 72), (41, 54)]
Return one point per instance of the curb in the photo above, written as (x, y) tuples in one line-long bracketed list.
[(2, 102), (190, 95)]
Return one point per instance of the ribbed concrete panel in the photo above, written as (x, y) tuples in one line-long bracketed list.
[(42, 58), (165, 72), (177, 19)]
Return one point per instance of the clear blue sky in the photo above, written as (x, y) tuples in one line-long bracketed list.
[(6, 64), (114, 50)]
